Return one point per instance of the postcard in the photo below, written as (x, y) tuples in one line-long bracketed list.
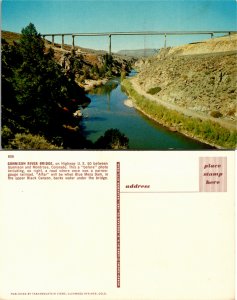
[(118, 138)]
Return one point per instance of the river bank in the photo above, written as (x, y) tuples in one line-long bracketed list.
[(191, 89), (109, 109), (174, 118)]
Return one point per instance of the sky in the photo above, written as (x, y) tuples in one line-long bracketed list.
[(66, 16)]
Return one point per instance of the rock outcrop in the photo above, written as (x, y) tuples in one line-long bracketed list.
[(90, 68)]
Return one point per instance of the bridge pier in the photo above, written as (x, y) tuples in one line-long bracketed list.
[(165, 41), (73, 41), (62, 44), (211, 33), (110, 45)]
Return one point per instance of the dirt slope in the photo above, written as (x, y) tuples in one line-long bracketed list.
[(214, 45), (200, 78)]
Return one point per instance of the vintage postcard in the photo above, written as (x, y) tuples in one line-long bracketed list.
[(118, 138)]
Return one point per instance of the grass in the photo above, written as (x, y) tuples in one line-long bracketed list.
[(203, 130)]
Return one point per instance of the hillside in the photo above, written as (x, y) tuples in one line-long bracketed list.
[(214, 45), (197, 80), (91, 67), (138, 53), (10, 37), (202, 82)]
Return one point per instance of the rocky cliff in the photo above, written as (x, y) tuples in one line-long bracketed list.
[(91, 68)]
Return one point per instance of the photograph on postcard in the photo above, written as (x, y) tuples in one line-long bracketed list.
[(140, 75)]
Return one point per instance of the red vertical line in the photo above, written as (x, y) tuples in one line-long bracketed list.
[(118, 222)]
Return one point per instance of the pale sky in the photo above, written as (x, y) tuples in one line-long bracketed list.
[(66, 16)]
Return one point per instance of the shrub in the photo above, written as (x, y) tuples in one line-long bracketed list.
[(28, 141), (7, 134), (112, 139), (231, 112), (216, 114), (154, 90)]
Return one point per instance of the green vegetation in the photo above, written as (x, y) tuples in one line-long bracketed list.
[(112, 139), (39, 97), (154, 90), (28, 141), (207, 131), (123, 75)]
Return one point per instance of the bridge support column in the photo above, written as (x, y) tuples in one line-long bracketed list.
[(73, 41), (53, 40), (165, 41), (62, 41), (110, 45)]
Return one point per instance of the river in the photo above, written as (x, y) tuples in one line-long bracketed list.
[(107, 110)]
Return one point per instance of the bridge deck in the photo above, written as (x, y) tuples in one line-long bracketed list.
[(144, 33)]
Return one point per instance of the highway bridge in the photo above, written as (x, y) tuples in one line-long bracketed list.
[(135, 33)]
